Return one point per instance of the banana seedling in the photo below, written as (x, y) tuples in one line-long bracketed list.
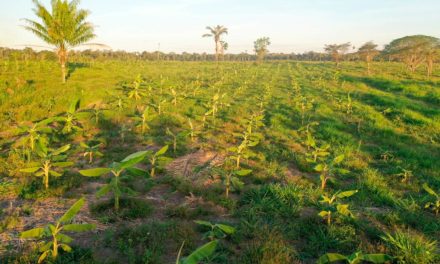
[(175, 96), (53, 231), (328, 169), (117, 169), (308, 129), (156, 158), (355, 258), (142, 118), (406, 175), (201, 253), (96, 112), (349, 106), (333, 205), (175, 137), (49, 160), (316, 151), (214, 103), (243, 149), (158, 106), (304, 105), (136, 90), (71, 118), (434, 206), (192, 130), (30, 135), (254, 122), (232, 179), (91, 151), (216, 231), (119, 105)]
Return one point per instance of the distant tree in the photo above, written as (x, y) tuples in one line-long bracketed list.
[(64, 27), (368, 51), (224, 46), (217, 32), (415, 50), (337, 50), (260, 47)]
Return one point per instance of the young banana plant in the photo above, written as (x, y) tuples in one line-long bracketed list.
[(142, 118), (119, 105), (136, 90), (231, 176), (355, 258), (49, 160), (333, 206), (30, 135), (158, 106), (117, 169), (243, 149), (406, 175), (216, 231), (434, 206), (254, 122), (192, 130), (71, 118), (315, 151), (96, 112), (175, 97), (155, 158), (201, 253), (53, 231), (91, 151), (328, 169)]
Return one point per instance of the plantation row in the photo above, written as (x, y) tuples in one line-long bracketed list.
[(312, 158)]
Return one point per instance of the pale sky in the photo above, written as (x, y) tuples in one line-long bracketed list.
[(292, 25)]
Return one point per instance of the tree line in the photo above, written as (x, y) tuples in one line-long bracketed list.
[(65, 27)]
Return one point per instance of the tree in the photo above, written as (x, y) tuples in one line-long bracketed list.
[(260, 47), (368, 51), (336, 50), (64, 28), (217, 32), (414, 50)]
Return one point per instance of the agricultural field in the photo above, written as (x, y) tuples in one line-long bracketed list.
[(237, 162)]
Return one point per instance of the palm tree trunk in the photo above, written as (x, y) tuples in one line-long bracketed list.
[(62, 58), (217, 49)]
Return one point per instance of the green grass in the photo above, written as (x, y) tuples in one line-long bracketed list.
[(391, 124)]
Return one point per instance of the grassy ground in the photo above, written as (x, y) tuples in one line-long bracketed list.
[(383, 129)]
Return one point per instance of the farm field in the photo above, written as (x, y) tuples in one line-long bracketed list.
[(279, 162)]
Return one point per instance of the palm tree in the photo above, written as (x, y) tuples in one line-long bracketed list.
[(64, 28), (217, 32)]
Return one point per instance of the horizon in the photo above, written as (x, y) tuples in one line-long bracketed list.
[(181, 29)]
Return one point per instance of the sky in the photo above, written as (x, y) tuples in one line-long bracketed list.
[(292, 25)]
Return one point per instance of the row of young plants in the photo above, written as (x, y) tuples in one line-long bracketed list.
[(215, 108)]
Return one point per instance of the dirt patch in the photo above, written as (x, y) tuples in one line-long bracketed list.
[(38, 213), (196, 166), (294, 175)]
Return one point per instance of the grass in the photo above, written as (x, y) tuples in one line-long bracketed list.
[(391, 123)]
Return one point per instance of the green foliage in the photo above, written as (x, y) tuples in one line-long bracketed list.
[(49, 160), (333, 206), (217, 231), (117, 169), (434, 206), (355, 258), (411, 248), (53, 231)]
